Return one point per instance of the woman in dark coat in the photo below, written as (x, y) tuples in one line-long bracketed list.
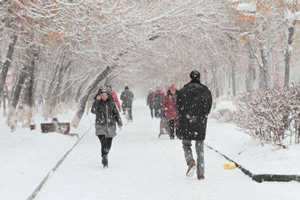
[(107, 116)]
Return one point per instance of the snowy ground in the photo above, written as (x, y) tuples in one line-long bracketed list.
[(141, 167), (26, 157), (250, 153)]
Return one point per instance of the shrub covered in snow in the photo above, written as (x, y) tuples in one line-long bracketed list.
[(272, 115)]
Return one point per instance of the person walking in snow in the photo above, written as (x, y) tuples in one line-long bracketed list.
[(127, 99), (158, 102), (194, 103), (107, 116), (170, 112), (150, 102)]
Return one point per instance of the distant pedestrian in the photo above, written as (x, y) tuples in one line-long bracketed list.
[(127, 100), (170, 110), (158, 102), (150, 102)]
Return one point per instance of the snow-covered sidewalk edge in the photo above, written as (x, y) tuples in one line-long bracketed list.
[(27, 156), (259, 177), (54, 169), (251, 154)]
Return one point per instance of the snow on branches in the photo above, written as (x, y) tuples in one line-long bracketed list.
[(66, 44), (272, 115)]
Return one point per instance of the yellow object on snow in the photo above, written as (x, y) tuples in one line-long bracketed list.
[(230, 166)]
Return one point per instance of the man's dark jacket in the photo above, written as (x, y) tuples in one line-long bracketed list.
[(194, 103)]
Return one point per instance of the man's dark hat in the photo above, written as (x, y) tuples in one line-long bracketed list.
[(195, 75)]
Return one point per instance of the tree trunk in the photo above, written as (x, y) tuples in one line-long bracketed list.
[(233, 79), (298, 129), (7, 63), (5, 100), (79, 90), (215, 81), (205, 76), (48, 108), (15, 96), (29, 94), (287, 55), (250, 75), (264, 76), (67, 91), (57, 91), (84, 99)]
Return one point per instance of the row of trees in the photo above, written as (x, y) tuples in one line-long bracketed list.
[(270, 111), (60, 51), (251, 47)]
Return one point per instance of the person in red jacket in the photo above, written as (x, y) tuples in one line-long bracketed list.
[(114, 96), (170, 110)]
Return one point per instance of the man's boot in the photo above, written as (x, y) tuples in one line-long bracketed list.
[(104, 161), (191, 168)]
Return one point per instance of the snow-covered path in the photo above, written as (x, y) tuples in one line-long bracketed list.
[(141, 166)]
